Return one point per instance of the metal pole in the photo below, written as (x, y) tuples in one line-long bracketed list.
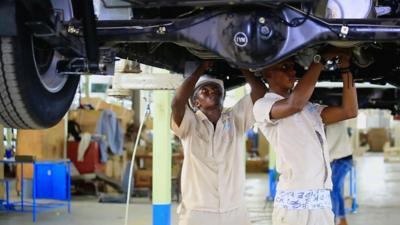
[(86, 85), (34, 191), (2, 152), (69, 185), (7, 195), (162, 158), (22, 186)]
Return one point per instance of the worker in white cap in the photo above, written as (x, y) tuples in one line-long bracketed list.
[(213, 171)]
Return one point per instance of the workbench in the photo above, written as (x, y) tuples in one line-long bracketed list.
[(50, 187)]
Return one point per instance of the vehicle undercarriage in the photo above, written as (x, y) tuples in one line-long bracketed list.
[(69, 38)]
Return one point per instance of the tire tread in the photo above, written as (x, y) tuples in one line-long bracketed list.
[(12, 109)]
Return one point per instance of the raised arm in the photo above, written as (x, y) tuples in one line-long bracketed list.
[(300, 95), (258, 88), (184, 92), (349, 107)]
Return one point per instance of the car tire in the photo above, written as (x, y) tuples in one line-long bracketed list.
[(32, 94)]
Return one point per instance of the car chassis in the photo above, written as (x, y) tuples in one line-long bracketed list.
[(235, 36)]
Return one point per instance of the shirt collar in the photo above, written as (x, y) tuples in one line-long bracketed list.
[(273, 93), (203, 116)]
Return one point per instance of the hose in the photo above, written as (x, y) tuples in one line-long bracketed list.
[(128, 196)]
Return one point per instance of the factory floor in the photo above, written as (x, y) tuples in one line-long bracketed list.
[(378, 197)]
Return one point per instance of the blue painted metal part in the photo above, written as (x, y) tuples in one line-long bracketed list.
[(162, 214), (55, 191), (51, 181), (272, 184), (69, 187), (7, 195), (22, 187), (34, 192), (353, 189)]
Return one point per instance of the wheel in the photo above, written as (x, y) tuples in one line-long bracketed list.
[(32, 94)]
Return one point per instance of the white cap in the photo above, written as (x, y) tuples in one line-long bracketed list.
[(203, 80)]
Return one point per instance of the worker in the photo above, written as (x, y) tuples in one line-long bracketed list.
[(213, 172), (295, 129), (340, 154)]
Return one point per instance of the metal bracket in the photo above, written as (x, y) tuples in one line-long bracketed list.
[(344, 31), (80, 65)]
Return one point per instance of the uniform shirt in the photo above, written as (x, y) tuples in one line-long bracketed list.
[(338, 140), (300, 145), (213, 174)]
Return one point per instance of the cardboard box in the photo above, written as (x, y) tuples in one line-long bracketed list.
[(118, 168), (377, 137), (96, 103), (46, 144), (124, 115), (87, 119), (256, 166), (115, 166), (143, 178), (110, 168), (128, 145)]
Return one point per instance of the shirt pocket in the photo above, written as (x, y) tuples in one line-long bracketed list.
[(225, 146), (201, 146), (201, 136)]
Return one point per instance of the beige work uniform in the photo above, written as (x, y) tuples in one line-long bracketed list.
[(302, 157), (213, 172), (338, 140), (282, 216)]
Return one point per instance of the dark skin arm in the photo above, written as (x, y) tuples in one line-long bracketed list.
[(258, 88), (300, 96), (349, 107), (184, 92)]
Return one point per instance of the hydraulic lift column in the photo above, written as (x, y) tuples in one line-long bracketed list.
[(162, 157)]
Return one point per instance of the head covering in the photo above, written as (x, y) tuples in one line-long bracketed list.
[(204, 80)]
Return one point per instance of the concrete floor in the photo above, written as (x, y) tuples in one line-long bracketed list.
[(378, 191)]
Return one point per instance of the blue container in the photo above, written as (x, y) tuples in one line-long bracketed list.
[(8, 153), (51, 181)]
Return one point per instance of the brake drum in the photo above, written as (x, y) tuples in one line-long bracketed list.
[(348, 9)]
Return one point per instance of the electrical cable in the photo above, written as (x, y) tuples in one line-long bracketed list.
[(295, 22), (298, 21), (164, 25), (188, 13), (128, 196)]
